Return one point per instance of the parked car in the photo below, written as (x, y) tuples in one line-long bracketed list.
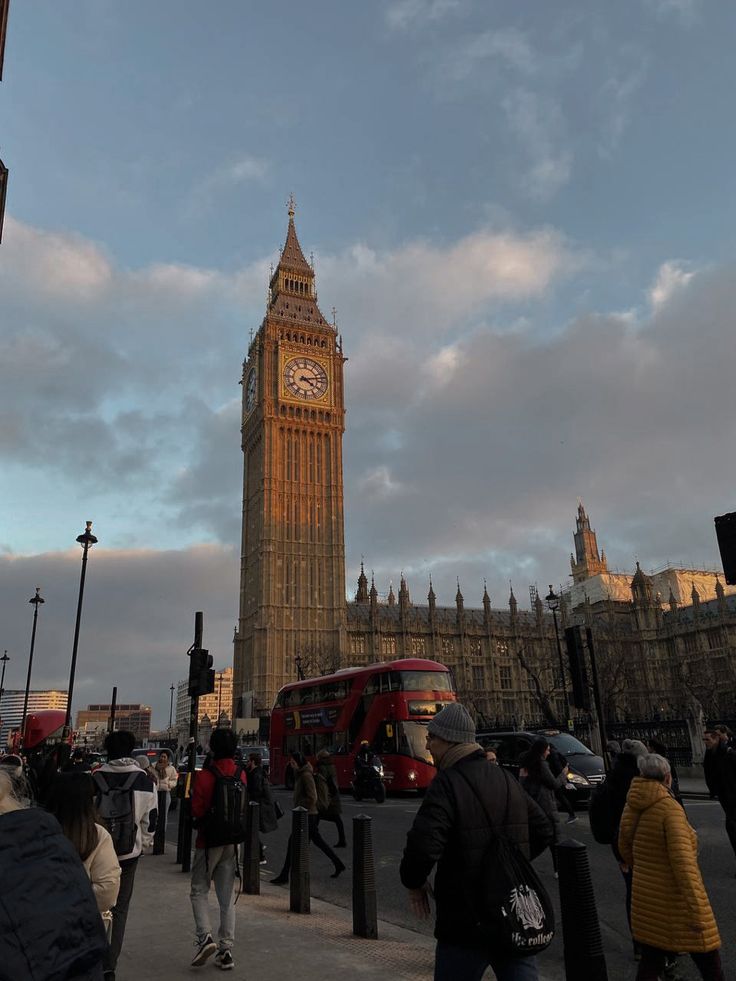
[(585, 768)]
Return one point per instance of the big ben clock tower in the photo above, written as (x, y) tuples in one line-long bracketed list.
[(292, 567)]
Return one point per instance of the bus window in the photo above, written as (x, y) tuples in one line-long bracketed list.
[(385, 741), (340, 743), (425, 681), (374, 685), (412, 741), (292, 744)]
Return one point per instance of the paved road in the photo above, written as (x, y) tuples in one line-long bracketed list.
[(392, 819)]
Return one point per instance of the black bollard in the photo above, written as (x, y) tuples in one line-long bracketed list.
[(180, 834), (584, 957), (299, 898), (252, 852), (365, 917), (186, 835)]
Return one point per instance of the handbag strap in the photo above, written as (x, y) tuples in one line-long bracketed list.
[(492, 823)]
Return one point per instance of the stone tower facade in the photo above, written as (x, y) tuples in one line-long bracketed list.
[(292, 574), (586, 562)]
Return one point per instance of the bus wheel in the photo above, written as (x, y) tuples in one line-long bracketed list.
[(380, 794)]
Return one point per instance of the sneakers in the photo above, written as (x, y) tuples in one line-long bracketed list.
[(205, 950), (263, 861), (224, 960), (572, 819)]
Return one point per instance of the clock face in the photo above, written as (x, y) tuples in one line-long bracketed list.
[(250, 390), (305, 378)]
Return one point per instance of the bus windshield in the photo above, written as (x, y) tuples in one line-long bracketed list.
[(413, 741), (425, 681)]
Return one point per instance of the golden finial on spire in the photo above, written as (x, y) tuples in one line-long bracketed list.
[(291, 205)]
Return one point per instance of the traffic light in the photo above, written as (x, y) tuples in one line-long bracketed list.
[(201, 673), (578, 667)]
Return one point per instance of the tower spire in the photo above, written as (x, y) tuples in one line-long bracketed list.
[(292, 290)]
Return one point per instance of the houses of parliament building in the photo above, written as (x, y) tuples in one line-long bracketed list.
[(664, 642)]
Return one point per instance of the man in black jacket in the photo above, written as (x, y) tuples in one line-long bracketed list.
[(452, 829), (719, 770)]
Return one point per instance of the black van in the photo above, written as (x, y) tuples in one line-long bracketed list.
[(586, 769)]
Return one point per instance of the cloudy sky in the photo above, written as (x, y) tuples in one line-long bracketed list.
[(523, 213)]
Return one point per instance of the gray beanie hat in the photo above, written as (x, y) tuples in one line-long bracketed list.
[(453, 724), (634, 746)]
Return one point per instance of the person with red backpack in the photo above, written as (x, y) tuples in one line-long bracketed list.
[(219, 809)]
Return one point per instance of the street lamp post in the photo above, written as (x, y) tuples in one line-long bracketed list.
[(219, 698), (36, 600), (4, 660), (86, 540), (171, 708), (553, 603), (299, 670)]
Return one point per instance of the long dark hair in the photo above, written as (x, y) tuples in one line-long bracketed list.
[(71, 801), (533, 757), (298, 758)]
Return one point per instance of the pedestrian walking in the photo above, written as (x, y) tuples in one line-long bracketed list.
[(259, 790), (719, 770), (305, 795), (126, 803), (670, 911), (166, 780), (558, 764), (329, 804), (71, 801), (607, 805), (465, 806), (538, 781), (219, 804), (50, 927), (78, 762)]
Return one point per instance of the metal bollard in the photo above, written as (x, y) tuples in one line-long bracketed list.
[(581, 935), (365, 917), (180, 834), (186, 835), (299, 898), (252, 852)]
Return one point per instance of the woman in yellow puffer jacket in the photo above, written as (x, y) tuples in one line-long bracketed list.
[(670, 910)]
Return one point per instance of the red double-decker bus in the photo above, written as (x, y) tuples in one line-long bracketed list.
[(389, 705)]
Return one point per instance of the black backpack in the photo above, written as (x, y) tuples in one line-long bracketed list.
[(225, 822), (514, 909), (116, 811)]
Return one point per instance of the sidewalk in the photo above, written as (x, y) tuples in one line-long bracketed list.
[(270, 942)]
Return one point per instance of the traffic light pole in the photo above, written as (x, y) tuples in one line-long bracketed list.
[(186, 805), (597, 696)]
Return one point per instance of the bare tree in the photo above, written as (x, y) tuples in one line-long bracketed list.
[(538, 688)]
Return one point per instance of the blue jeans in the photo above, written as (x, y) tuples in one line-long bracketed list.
[(469, 964)]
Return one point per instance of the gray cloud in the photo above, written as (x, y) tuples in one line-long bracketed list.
[(470, 433), (137, 622)]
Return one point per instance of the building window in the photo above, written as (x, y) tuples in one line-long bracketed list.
[(505, 678), (417, 647), (714, 639), (357, 645), (388, 645), (502, 648), (691, 643), (475, 647), (479, 677), (448, 648)]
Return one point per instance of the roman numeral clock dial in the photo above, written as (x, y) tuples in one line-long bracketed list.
[(305, 379)]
